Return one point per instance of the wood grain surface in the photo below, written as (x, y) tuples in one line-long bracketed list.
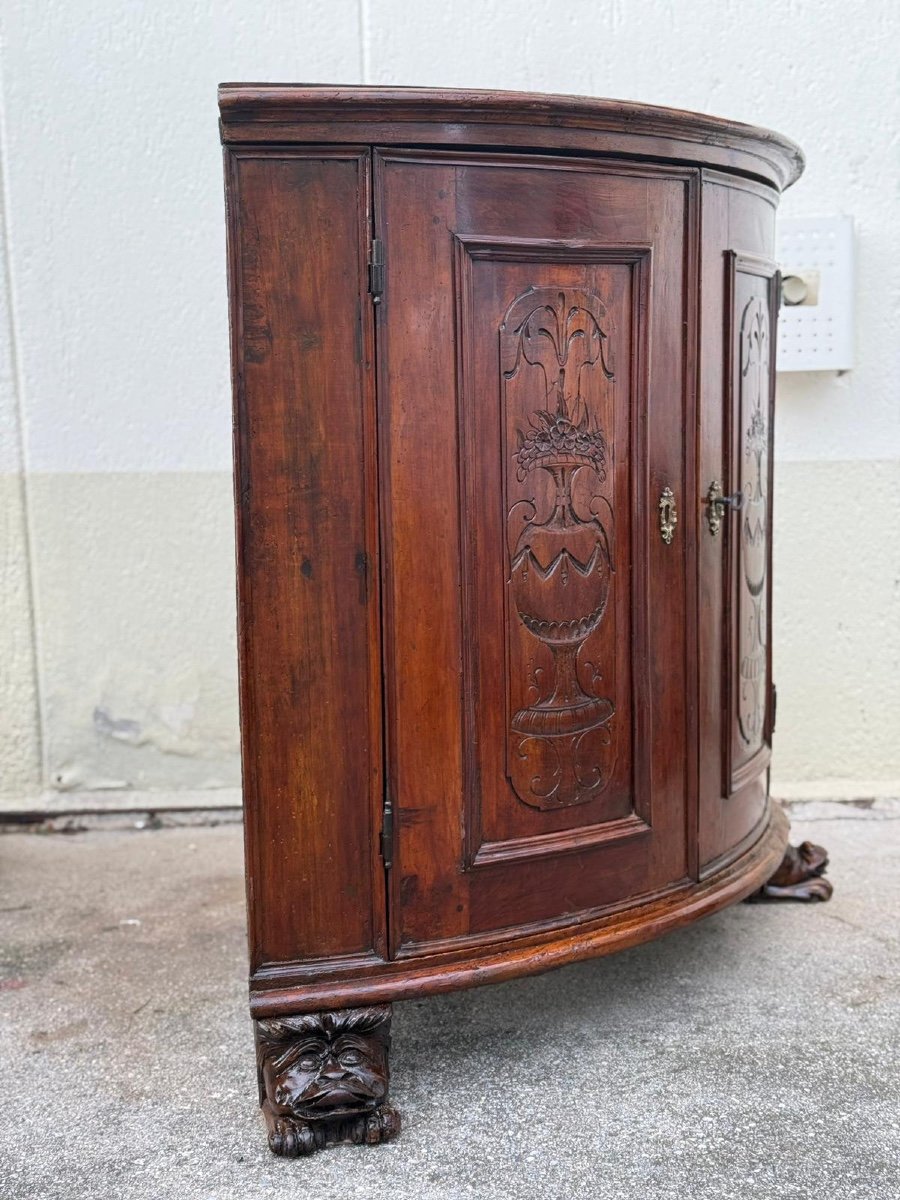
[(506, 697)]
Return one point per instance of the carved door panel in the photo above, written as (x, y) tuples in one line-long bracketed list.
[(532, 382), (751, 378)]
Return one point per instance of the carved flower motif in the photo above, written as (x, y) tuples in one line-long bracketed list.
[(553, 438)]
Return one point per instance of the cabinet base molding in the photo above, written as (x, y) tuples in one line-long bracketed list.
[(801, 876), (323, 1079)]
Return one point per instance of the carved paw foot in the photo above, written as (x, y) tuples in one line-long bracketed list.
[(380, 1126), (800, 876), (292, 1138)]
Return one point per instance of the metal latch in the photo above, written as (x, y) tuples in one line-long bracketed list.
[(716, 504)]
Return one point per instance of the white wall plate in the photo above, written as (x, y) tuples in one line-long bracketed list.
[(817, 333)]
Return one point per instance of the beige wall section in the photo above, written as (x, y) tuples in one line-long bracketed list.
[(20, 772), (836, 651), (136, 583), (20, 751)]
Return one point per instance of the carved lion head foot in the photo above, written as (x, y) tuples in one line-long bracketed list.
[(800, 876), (324, 1079)]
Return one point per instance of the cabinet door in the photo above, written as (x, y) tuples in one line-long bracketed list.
[(532, 383), (740, 289)]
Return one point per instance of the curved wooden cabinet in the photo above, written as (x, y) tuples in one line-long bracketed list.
[(503, 372)]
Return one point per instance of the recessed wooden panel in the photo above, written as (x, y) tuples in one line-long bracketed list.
[(751, 296), (553, 331)]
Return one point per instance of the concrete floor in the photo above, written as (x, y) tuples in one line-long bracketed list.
[(754, 1055)]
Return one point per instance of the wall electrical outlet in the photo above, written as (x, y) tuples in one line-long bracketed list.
[(815, 325)]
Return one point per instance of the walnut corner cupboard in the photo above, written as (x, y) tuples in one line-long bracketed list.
[(503, 381)]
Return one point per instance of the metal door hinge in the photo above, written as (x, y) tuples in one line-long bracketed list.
[(387, 833), (376, 270)]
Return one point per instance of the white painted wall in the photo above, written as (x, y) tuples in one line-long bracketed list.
[(116, 603)]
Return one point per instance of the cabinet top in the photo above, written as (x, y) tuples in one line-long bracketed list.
[(393, 116)]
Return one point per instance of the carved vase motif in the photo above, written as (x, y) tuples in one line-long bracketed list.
[(560, 562)]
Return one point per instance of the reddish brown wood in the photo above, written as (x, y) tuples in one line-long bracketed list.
[(612, 929), (274, 112), (305, 489), (598, 812), (738, 238), (506, 696)]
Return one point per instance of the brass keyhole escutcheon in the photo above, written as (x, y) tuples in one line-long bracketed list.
[(716, 503), (668, 515)]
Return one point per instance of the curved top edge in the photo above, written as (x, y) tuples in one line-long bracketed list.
[(262, 104)]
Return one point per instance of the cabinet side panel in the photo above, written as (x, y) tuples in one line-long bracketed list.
[(307, 552)]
